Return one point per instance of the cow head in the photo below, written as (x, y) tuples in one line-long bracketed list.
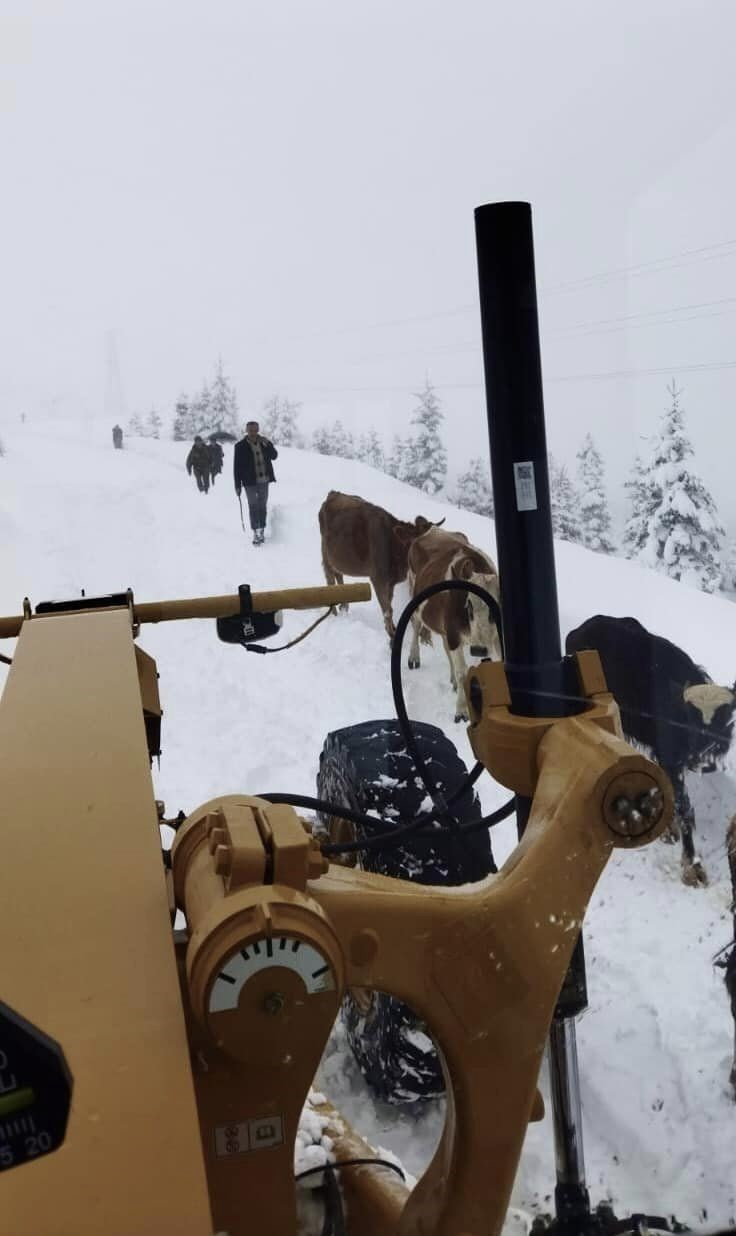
[(405, 533), (484, 639), (713, 708)]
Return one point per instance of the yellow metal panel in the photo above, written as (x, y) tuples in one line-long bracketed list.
[(87, 952)]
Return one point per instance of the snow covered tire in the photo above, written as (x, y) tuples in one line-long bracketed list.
[(367, 767)]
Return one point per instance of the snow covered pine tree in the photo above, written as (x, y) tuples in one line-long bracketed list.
[(280, 421), (564, 503), (425, 459), (183, 428), (474, 491), (595, 518), (223, 405), (644, 501), (684, 533)]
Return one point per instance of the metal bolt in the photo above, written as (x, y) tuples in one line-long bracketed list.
[(651, 803), (273, 1003), (637, 815)]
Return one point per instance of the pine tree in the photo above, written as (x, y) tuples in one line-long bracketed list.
[(564, 503), (321, 440), (684, 533), (280, 417), (223, 404), (341, 441), (394, 464), (182, 430), (595, 518), (136, 428), (644, 501), (153, 424), (474, 491), (200, 408), (425, 462), (370, 450)]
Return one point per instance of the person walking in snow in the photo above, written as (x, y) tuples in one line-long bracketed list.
[(117, 437), (198, 462), (253, 471), (216, 458)]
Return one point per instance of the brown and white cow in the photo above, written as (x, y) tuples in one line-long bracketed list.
[(458, 618), (359, 538)]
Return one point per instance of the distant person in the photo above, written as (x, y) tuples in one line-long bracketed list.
[(216, 458), (254, 473), (117, 437), (198, 462)]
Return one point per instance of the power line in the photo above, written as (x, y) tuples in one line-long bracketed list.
[(704, 253), (609, 375), (581, 329)]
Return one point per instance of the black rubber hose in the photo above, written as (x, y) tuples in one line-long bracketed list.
[(413, 827), (446, 585)]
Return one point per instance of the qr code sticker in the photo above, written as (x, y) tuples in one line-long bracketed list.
[(526, 489)]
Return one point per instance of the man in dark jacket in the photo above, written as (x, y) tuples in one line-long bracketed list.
[(216, 458), (253, 472), (198, 462), (117, 437)]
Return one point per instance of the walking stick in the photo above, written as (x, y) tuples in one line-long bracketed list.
[(240, 504)]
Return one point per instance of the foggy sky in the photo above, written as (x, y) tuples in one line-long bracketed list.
[(291, 184)]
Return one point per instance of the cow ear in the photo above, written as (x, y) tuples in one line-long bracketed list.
[(404, 535), (421, 524)]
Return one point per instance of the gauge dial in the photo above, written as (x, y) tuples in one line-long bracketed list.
[(35, 1091), (282, 951)]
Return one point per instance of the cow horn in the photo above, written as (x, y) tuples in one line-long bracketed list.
[(707, 697), (440, 522)]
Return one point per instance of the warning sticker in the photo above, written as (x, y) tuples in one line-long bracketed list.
[(526, 489), (238, 1137)]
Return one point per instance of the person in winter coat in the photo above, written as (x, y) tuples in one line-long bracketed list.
[(117, 437), (253, 471), (216, 458), (198, 462)]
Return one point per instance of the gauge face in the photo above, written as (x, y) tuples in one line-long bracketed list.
[(287, 952), (35, 1091)]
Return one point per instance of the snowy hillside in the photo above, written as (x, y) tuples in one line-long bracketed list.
[(655, 1045)]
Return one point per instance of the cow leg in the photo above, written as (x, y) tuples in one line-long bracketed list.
[(693, 871), (446, 646), (414, 659), (385, 595), (459, 670), (332, 576)]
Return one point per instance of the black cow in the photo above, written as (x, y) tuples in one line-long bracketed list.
[(668, 704)]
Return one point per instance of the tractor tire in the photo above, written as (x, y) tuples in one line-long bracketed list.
[(367, 767)]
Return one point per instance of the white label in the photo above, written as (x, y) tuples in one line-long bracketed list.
[(244, 1135), (526, 489), (231, 1139), (268, 1131)]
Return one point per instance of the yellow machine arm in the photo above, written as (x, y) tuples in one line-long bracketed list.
[(192, 1059)]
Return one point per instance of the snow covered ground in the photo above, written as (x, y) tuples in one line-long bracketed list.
[(655, 1044)]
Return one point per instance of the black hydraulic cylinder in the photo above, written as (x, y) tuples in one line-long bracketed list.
[(541, 681)]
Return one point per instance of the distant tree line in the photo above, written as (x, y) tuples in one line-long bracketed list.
[(672, 525), (213, 410)]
